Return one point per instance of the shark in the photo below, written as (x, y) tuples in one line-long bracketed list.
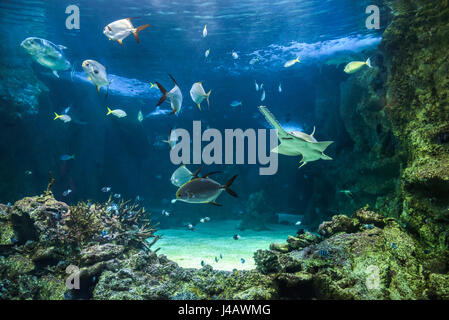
[(296, 143)]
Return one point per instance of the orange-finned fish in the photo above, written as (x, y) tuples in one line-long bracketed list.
[(121, 29)]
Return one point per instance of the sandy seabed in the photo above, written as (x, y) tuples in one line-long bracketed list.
[(209, 240)]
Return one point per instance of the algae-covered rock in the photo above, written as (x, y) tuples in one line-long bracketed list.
[(339, 223), (415, 45), (266, 261), (7, 236), (365, 216), (98, 253), (438, 286), (36, 218), (382, 262)]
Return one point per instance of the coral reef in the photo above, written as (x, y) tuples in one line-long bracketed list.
[(108, 248)]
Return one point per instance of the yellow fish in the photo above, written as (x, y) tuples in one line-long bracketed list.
[(291, 62), (353, 67)]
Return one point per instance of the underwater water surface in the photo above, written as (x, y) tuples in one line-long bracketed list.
[(96, 155)]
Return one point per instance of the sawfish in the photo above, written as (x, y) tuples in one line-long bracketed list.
[(296, 143)]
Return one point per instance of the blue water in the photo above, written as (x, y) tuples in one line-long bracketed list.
[(127, 155)]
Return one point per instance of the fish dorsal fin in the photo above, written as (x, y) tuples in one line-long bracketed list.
[(272, 120), (313, 131), (215, 204), (197, 172), (210, 174), (173, 79)]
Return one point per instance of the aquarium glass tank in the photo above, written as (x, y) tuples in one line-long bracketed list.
[(224, 149)]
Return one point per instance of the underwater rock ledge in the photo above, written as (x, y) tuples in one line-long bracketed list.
[(36, 248)]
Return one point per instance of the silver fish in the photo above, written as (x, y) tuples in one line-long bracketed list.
[(96, 73), (174, 95), (46, 54), (121, 29), (203, 190)]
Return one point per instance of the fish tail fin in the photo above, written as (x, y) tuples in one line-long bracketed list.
[(109, 111), (57, 116), (164, 94), (321, 146), (368, 63), (228, 185), (207, 97), (137, 30)]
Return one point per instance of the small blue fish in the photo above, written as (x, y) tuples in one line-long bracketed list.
[(323, 253), (105, 189), (216, 259), (221, 257), (235, 104), (104, 233), (242, 260), (369, 226), (66, 110), (393, 245), (202, 263), (66, 193), (67, 157), (117, 195)]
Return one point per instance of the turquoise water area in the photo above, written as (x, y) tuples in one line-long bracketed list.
[(209, 240)]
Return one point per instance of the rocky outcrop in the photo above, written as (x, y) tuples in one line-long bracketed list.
[(418, 106), (366, 256), (41, 248)]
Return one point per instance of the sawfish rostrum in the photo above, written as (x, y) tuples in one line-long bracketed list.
[(296, 143)]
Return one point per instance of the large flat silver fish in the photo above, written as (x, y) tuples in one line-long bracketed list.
[(46, 54), (119, 30), (96, 73), (204, 190), (174, 95)]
